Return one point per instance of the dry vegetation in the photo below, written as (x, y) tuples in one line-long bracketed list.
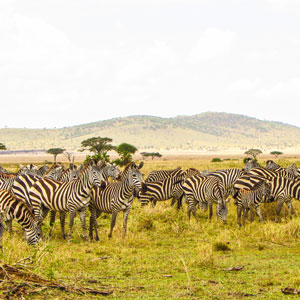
[(164, 256)]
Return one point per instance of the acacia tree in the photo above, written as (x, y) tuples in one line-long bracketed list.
[(55, 152), (2, 146), (99, 146), (151, 154), (253, 152), (125, 152), (276, 153)]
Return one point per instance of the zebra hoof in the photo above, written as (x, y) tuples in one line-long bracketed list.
[(110, 236), (97, 239)]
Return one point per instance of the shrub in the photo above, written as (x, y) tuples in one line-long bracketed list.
[(216, 159)]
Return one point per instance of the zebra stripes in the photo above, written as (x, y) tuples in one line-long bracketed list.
[(251, 199), (205, 190), (65, 196), (166, 189), (158, 175), (116, 197), (13, 208)]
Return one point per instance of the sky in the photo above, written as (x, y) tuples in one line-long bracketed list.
[(69, 62)]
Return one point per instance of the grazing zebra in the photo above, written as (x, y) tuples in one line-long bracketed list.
[(205, 190), (166, 189), (250, 164), (65, 196), (251, 199), (3, 170), (158, 175), (228, 177), (116, 197), (13, 208)]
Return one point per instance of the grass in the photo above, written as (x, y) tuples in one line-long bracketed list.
[(164, 256)]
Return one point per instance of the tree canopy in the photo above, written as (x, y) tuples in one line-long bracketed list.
[(2, 146), (99, 146), (253, 152), (125, 152), (150, 154), (55, 152), (276, 153)]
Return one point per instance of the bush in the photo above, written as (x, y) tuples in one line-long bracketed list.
[(219, 246), (216, 159)]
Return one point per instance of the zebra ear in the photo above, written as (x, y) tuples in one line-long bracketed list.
[(141, 164)]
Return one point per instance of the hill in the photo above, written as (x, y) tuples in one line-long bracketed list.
[(204, 132)]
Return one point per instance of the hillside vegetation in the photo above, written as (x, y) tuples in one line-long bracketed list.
[(206, 131)]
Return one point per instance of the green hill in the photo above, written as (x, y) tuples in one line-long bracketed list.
[(207, 131)]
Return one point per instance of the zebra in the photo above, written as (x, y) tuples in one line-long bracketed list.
[(6, 181), (205, 190), (228, 177), (271, 165), (14, 208), (65, 196), (163, 190), (108, 170), (269, 174), (250, 164), (116, 197), (158, 175), (251, 199)]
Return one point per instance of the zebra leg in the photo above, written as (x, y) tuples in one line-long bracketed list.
[(113, 222), (125, 218), (52, 220), (9, 227), (210, 210), (278, 209), (1, 234), (245, 214), (290, 207), (179, 201), (62, 217), (238, 214), (71, 223), (259, 214), (173, 201), (82, 215)]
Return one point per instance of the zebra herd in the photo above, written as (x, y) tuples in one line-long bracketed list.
[(28, 195)]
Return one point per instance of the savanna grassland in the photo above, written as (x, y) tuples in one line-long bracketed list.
[(164, 256)]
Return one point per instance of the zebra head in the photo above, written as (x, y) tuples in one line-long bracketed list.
[(113, 171), (135, 177), (96, 174), (220, 194), (249, 164), (33, 235), (271, 165)]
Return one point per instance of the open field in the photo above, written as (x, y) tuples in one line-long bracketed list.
[(164, 256)]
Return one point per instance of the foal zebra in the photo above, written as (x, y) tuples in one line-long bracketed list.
[(251, 199), (13, 208), (205, 190), (65, 196), (116, 197)]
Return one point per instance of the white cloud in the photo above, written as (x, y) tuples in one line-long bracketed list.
[(242, 85), (281, 4), (212, 43)]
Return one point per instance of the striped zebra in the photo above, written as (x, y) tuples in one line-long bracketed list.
[(205, 190), (65, 196), (158, 175), (166, 189), (252, 199), (116, 197), (250, 164), (269, 174), (13, 208), (271, 165), (6, 181), (228, 177)]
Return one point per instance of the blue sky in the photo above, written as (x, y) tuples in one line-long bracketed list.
[(69, 62)]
